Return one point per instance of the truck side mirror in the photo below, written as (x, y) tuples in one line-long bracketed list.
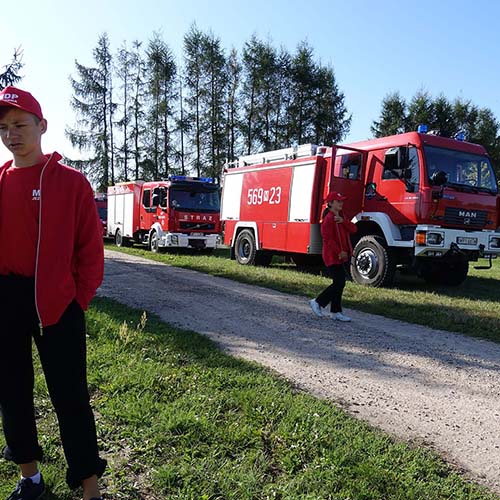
[(439, 178), (155, 200)]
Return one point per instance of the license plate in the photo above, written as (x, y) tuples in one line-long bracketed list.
[(466, 240)]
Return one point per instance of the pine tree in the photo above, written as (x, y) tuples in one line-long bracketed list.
[(161, 76), (233, 71), (123, 72), (138, 71), (92, 101), (330, 123), (421, 110), (10, 74), (195, 80), (393, 118), (213, 104), (281, 90), (303, 87)]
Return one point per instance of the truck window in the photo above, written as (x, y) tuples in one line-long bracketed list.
[(413, 179), (466, 170), (391, 173), (146, 198), (350, 166), (201, 200), (163, 197)]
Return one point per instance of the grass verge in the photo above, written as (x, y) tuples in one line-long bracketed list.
[(178, 419), (472, 308)]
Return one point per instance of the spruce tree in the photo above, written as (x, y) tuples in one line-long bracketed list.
[(10, 72), (92, 101)]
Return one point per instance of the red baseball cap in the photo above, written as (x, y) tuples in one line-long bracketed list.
[(333, 195), (12, 96)]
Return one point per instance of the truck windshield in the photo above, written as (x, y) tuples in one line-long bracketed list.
[(199, 200), (465, 171)]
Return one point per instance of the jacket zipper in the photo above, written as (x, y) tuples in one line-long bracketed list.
[(38, 243)]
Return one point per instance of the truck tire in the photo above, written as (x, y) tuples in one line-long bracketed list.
[(373, 264), (119, 239), (449, 273), (153, 242), (122, 241), (245, 248)]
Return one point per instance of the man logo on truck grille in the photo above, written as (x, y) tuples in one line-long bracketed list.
[(36, 195), (467, 214)]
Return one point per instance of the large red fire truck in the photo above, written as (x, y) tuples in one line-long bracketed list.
[(182, 212), (421, 202)]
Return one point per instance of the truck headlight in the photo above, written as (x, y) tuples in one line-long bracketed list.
[(434, 238), (494, 242)]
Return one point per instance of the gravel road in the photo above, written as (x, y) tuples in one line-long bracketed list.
[(425, 386)]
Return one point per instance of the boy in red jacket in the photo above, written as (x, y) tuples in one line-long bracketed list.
[(51, 264), (337, 250)]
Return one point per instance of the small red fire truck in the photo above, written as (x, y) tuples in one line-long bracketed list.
[(422, 203), (182, 212), (102, 209)]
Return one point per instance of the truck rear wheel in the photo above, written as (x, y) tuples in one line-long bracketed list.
[(120, 240), (373, 264), (245, 248)]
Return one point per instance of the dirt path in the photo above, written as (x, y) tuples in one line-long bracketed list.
[(422, 385)]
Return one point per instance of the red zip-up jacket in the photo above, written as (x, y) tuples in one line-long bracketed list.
[(336, 238), (70, 256)]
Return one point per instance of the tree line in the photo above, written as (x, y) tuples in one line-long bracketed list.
[(140, 114)]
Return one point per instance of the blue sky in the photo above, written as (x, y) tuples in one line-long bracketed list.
[(442, 46)]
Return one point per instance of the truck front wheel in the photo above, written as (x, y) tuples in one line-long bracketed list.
[(245, 248), (154, 242), (372, 264)]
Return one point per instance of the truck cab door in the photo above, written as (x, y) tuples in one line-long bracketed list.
[(147, 210), (396, 187), (162, 208), (347, 177)]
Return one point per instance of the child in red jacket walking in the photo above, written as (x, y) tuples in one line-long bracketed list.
[(337, 249), (51, 263)]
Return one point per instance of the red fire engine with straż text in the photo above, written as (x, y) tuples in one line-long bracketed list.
[(182, 212), (422, 203)]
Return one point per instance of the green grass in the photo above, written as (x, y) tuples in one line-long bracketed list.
[(178, 419), (472, 308)]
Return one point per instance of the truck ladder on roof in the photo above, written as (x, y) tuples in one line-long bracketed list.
[(302, 151)]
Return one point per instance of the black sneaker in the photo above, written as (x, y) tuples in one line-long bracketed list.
[(26, 489)]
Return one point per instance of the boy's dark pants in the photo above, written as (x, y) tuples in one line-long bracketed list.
[(62, 351), (333, 293)]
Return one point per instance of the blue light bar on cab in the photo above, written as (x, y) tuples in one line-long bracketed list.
[(186, 178), (422, 129), (460, 136)]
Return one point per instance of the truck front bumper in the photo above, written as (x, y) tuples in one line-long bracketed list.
[(197, 241), (436, 241)]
